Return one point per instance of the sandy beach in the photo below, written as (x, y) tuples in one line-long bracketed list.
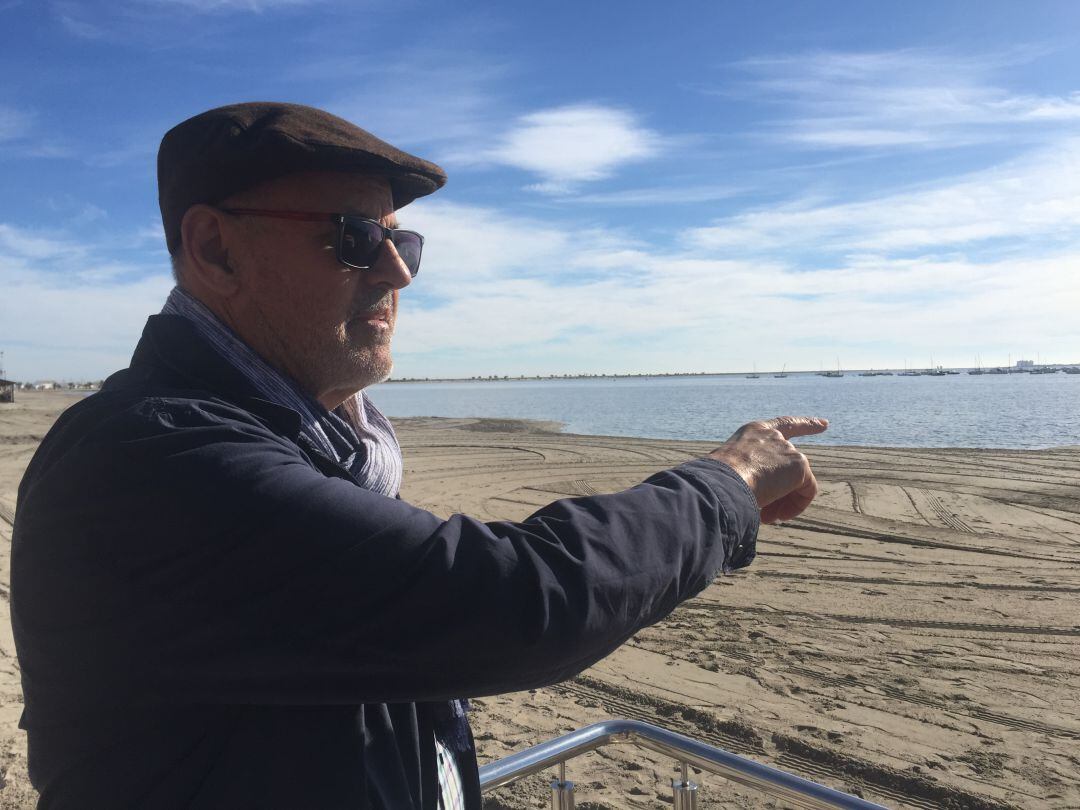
[(914, 637)]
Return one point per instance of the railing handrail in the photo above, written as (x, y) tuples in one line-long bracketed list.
[(791, 788)]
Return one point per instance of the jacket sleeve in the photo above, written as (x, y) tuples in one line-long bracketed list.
[(237, 573)]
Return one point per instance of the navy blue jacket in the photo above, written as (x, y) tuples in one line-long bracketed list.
[(208, 613)]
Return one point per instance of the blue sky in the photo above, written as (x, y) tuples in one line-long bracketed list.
[(634, 187)]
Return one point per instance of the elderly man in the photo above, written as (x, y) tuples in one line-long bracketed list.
[(217, 597)]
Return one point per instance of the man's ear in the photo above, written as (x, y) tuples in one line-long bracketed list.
[(204, 244)]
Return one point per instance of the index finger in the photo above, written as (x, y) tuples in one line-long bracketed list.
[(791, 426)]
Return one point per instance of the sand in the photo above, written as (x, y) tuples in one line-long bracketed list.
[(913, 637)]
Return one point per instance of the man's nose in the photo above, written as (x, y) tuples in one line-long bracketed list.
[(389, 269)]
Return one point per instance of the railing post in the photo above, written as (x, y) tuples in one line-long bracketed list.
[(685, 791), (562, 792)]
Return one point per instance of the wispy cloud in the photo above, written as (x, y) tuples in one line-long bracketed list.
[(74, 211), (908, 98), (656, 195), (166, 25), (211, 6), (64, 258), (23, 135), (75, 22), (545, 296), (512, 246), (1036, 197), (72, 308), (433, 100), (14, 123)]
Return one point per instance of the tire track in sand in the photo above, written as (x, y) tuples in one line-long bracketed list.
[(926, 624), (791, 753)]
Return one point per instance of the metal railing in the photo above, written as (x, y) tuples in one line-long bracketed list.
[(686, 750)]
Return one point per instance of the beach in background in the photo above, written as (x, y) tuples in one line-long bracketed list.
[(913, 637)]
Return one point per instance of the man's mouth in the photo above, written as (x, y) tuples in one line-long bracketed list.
[(380, 318)]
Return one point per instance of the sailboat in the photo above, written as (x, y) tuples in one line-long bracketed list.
[(782, 374), (837, 373), (755, 375)]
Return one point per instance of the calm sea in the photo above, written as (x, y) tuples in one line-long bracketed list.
[(1010, 411)]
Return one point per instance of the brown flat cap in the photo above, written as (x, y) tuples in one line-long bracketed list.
[(226, 150)]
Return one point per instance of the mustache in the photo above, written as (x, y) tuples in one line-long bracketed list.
[(375, 302)]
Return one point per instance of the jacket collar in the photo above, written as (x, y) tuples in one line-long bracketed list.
[(171, 351)]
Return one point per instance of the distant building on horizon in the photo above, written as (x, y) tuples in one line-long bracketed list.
[(1025, 364)]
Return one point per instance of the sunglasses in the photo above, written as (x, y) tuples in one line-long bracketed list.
[(358, 239)]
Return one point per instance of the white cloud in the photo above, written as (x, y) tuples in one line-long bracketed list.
[(505, 294), (566, 146), (22, 244), (471, 245), (1034, 197), (78, 329), (502, 305), (717, 316), (909, 98), (875, 282), (71, 310)]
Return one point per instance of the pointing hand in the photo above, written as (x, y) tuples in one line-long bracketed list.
[(777, 473)]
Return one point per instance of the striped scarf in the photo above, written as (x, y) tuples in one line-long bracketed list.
[(355, 435)]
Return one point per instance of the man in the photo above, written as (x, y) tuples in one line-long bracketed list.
[(218, 599)]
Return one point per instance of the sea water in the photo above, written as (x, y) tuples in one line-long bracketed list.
[(999, 411)]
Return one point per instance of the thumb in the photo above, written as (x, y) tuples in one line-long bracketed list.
[(793, 504)]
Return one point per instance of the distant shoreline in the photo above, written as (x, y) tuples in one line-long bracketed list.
[(855, 372), (989, 371)]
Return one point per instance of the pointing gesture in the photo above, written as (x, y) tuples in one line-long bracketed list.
[(777, 473)]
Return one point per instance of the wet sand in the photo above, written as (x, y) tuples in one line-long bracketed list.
[(914, 637)]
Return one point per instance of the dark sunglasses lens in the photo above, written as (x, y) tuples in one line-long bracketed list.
[(408, 246), (361, 240), (360, 243)]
